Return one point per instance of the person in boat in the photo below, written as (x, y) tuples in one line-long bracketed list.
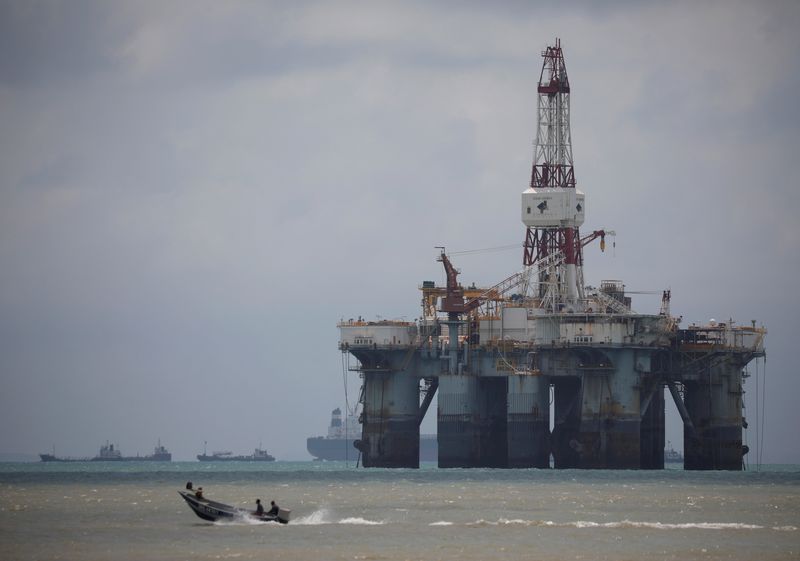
[(274, 510), (199, 493), (189, 486), (259, 508)]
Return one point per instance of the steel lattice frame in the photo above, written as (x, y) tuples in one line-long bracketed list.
[(553, 165)]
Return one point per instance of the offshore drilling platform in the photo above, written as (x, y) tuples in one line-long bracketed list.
[(501, 357)]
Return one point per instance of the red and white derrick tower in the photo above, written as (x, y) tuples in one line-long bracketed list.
[(553, 209)]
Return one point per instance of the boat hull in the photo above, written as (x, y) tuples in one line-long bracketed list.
[(154, 458), (213, 511), (52, 458), (204, 458), (158, 458)]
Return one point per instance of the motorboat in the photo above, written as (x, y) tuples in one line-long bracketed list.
[(213, 510)]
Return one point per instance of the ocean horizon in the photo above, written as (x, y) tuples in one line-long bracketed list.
[(132, 510)]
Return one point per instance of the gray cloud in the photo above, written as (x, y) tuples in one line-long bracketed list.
[(47, 43), (191, 195)]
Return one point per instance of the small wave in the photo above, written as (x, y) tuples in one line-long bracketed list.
[(785, 528), (316, 518), (629, 524), (358, 520), (323, 516), (441, 523), (512, 522), (685, 525), (507, 522)]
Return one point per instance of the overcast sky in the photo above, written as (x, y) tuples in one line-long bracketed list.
[(192, 194)]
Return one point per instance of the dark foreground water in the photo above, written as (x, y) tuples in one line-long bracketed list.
[(101, 511)]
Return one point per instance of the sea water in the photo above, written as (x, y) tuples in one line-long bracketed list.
[(132, 511)]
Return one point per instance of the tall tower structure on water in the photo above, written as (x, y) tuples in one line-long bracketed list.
[(502, 358)]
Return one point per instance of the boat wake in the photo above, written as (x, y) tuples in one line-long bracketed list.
[(362, 521), (323, 516), (316, 518), (626, 524)]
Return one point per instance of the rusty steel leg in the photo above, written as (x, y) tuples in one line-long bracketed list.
[(528, 420), (607, 443), (715, 406), (493, 422), (651, 433), (458, 435), (566, 424), (609, 432), (390, 428), (472, 422)]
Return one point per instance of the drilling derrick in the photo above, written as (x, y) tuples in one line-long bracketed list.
[(553, 209), (501, 358)]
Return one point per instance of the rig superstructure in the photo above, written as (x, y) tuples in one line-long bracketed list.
[(495, 354)]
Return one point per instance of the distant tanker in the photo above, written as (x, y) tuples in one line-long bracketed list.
[(258, 455), (108, 453), (342, 440)]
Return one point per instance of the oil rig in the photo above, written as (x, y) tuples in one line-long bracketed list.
[(500, 357)]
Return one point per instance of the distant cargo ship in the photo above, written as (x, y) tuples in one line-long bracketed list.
[(338, 444), (672, 456), (259, 455), (108, 453)]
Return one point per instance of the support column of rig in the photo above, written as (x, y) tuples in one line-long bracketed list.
[(713, 399), (390, 417)]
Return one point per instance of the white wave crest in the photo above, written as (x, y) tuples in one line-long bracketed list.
[(629, 524), (513, 522), (323, 516), (441, 523), (358, 520), (690, 525), (671, 526), (506, 522), (316, 518)]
